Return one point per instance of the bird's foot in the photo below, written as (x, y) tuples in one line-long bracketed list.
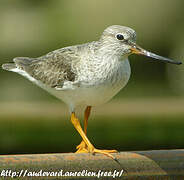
[(105, 152), (82, 148)]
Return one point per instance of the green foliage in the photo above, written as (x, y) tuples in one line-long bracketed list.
[(58, 135)]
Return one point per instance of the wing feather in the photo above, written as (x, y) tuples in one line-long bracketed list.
[(52, 69)]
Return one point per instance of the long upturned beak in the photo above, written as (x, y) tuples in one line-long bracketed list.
[(135, 49)]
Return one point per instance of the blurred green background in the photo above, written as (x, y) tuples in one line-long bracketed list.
[(147, 114)]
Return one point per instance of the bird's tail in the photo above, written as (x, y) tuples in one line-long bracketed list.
[(9, 66), (19, 62)]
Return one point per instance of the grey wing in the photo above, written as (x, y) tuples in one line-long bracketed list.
[(52, 69)]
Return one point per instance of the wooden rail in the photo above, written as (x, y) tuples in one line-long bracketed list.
[(156, 164)]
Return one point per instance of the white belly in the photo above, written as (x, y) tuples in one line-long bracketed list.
[(96, 93)]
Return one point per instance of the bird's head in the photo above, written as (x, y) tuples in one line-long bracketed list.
[(121, 40)]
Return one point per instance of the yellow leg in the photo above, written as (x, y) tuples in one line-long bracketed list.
[(82, 146), (90, 148), (86, 116)]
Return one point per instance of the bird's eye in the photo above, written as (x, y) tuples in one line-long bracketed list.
[(119, 36)]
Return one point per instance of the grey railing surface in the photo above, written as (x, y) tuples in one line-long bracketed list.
[(155, 164)]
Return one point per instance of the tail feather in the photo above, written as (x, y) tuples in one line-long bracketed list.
[(19, 62), (9, 66), (23, 61)]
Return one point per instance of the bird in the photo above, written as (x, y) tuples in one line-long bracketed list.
[(86, 75)]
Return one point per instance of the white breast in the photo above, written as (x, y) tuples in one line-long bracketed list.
[(107, 83), (95, 88)]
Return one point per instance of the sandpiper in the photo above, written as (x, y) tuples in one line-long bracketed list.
[(85, 75)]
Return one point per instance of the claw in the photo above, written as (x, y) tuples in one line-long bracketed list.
[(106, 153), (82, 148)]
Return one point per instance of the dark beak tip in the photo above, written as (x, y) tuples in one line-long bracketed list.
[(179, 63)]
